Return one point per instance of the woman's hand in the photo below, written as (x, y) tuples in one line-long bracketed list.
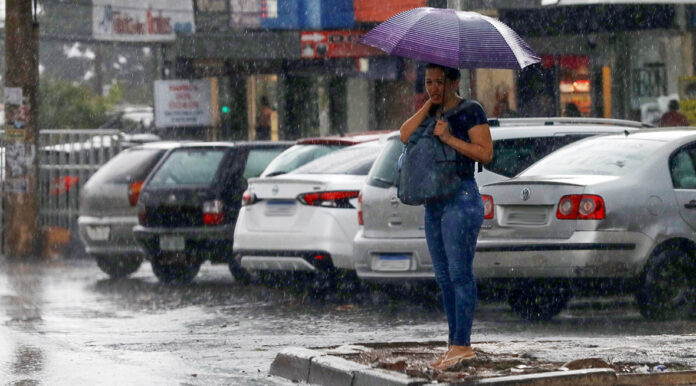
[(442, 130)]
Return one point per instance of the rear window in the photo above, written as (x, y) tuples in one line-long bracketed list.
[(258, 160), (188, 167), (128, 166), (511, 156), (601, 156), (384, 172), (296, 156), (354, 160)]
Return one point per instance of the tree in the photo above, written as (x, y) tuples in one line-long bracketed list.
[(64, 105)]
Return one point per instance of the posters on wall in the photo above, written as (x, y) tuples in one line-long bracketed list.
[(138, 21)]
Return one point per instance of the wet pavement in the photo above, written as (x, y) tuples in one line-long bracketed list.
[(65, 322)]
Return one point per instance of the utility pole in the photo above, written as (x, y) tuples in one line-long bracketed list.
[(20, 200)]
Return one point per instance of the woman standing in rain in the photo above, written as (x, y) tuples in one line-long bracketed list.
[(452, 223)]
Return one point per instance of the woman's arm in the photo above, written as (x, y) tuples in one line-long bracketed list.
[(411, 124), (481, 147)]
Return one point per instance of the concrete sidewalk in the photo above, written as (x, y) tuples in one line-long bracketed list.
[(319, 366)]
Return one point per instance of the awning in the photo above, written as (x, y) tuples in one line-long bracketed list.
[(634, 2)]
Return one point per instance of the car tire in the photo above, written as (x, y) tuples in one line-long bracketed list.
[(667, 288), (239, 273), (120, 266), (539, 300), (177, 273)]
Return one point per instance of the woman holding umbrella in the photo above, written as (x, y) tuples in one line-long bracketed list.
[(453, 39), (452, 223)]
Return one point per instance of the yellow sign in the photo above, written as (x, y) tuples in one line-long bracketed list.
[(687, 96), (14, 134)]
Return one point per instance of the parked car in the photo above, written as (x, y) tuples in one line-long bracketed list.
[(619, 207), (107, 208), (304, 221), (189, 204), (309, 149), (391, 246)]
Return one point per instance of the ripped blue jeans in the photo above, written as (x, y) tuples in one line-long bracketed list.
[(452, 225)]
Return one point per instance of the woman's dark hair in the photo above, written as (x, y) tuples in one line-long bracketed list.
[(450, 73)]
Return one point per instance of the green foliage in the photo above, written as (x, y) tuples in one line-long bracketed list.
[(64, 105)]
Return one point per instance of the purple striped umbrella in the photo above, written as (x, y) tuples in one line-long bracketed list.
[(451, 38)]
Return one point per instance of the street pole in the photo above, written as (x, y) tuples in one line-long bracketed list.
[(20, 202)]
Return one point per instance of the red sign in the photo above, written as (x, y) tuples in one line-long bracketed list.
[(334, 44)]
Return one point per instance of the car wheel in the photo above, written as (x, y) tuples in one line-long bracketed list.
[(176, 273), (668, 286), (539, 300), (241, 275), (118, 267)]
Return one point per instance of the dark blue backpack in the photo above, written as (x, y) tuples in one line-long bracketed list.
[(428, 169)]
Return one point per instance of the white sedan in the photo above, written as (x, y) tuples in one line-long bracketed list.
[(305, 221)]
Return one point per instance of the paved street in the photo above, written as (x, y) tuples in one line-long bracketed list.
[(63, 322)]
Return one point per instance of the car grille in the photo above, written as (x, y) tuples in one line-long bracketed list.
[(171, 217), (526, 215)]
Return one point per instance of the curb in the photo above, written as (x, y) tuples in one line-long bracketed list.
[(302, 365), (315, 367)]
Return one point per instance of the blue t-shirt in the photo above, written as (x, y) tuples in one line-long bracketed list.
[(466, 115)]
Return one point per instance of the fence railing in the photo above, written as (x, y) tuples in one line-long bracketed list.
[(67, 158)]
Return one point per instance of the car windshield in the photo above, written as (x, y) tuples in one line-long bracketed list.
[(128, 166), (188, 167), (384, 172), (610, 156), (297, 156), (355, 160)]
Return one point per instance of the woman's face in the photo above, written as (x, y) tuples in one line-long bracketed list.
[(435, 83)]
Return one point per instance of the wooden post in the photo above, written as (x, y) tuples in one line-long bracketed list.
[(21, 234)]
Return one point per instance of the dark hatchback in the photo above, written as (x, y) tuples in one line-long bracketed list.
[(188, 206)]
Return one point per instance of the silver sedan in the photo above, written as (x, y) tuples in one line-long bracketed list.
[(615, 209)]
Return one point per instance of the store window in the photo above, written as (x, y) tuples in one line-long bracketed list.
[(574, 85)]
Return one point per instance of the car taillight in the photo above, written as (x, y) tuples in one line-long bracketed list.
[(488, 207), (213, 212), (134, 192), (61, 185), (248, 198), (581, 207), (361, 221), (338, 199)]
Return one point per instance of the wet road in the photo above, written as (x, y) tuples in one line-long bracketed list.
[(64, 322)]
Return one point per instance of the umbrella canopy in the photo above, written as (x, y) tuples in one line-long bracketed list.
[(451, 38)]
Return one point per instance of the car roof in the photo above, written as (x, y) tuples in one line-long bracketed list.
[(545, 126), (237, 144), (665, 134), (166, 145), (347, 139)]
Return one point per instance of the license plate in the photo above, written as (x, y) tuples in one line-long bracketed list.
[(98, 233), (391, 262), (172, 243), (277, 208)]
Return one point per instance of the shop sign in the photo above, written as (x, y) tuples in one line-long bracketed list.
[(334, 44), (137, 21), (183, 103), (378, 11)]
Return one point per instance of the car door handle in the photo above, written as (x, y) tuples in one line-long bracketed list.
[(690, 205), (394, 222), (395, 201)]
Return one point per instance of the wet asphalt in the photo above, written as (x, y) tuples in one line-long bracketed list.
[(64, 322)]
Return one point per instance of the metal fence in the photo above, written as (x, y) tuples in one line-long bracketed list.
[(67, 158)]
